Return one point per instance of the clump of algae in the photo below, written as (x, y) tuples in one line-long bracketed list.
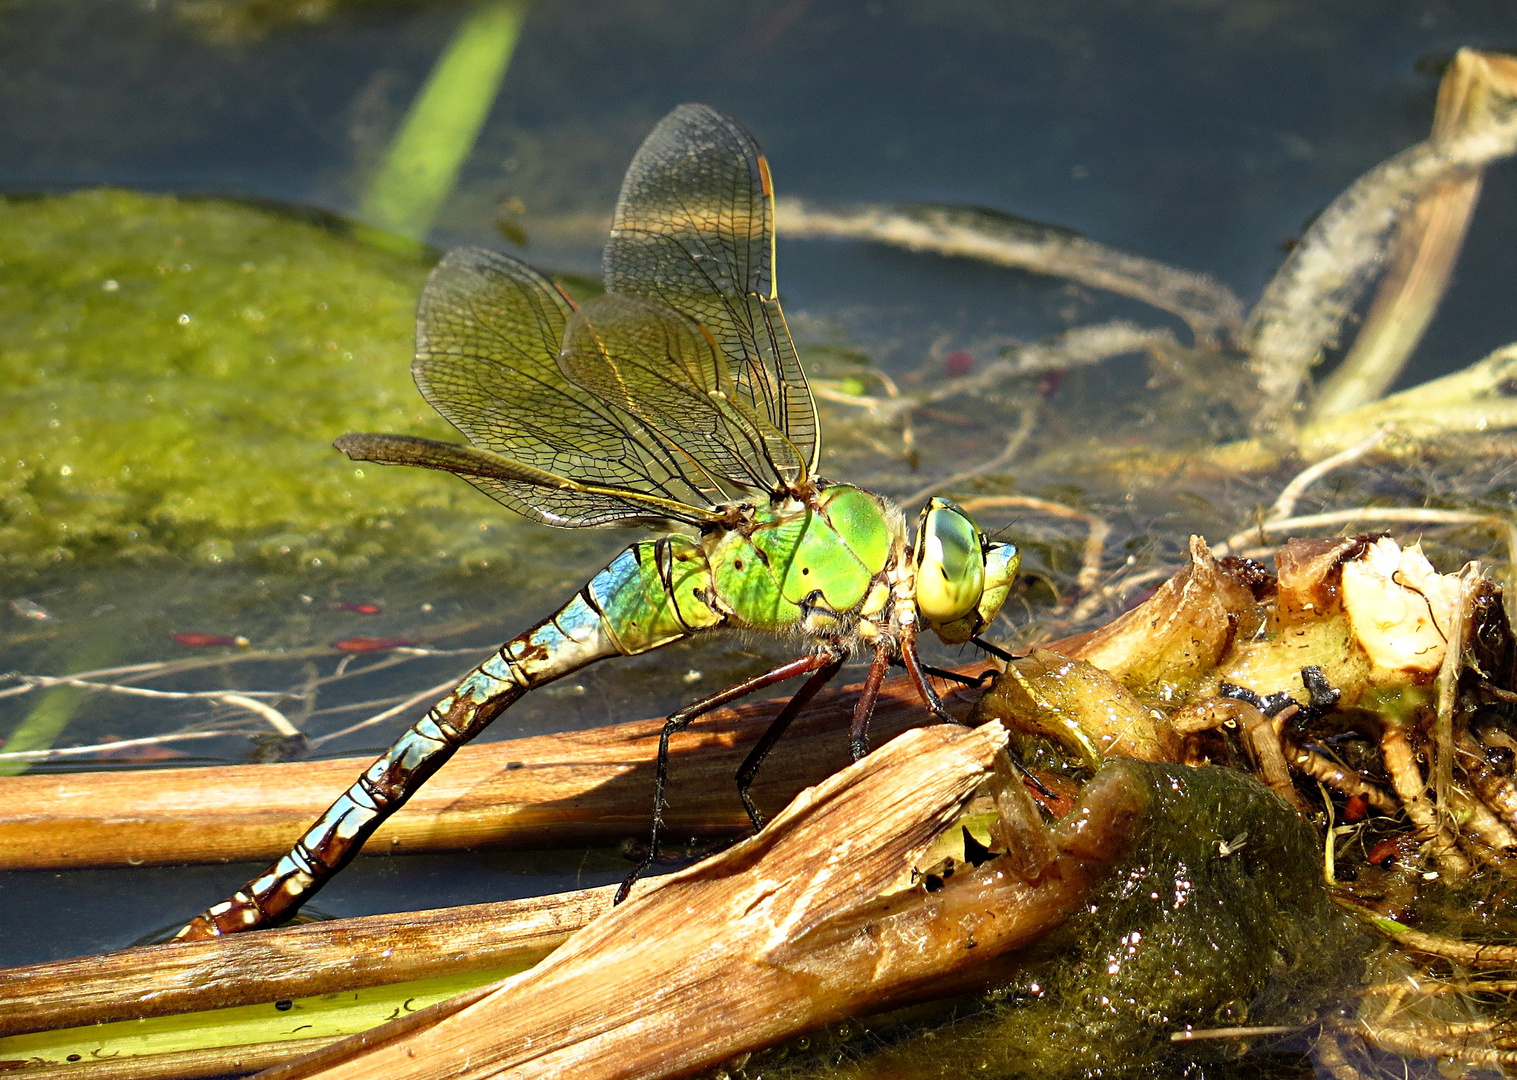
[(1218, 918), (175, 371)]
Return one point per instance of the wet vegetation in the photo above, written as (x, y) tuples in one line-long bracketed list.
[(1323, 730)]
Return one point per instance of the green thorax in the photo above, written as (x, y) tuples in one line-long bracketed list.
[(801, 560)]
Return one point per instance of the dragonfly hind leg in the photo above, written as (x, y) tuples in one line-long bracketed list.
[(748, 771), (679, 721)]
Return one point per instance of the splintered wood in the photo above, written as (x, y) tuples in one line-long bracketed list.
[(811, 919)]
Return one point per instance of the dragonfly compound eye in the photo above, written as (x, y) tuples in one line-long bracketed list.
[(950, 572)]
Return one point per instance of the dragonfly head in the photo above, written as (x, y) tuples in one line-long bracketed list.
[(962, 576)]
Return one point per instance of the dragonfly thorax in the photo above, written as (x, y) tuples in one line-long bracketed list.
[(805, 564)]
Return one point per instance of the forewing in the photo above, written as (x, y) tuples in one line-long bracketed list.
[(694, 227), (488, 331), (646, 359), (505, 479)]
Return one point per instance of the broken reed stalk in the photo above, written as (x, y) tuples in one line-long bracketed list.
[(1425, 249), (576, 787), (1312, 295), (811, 920), (291, 962)]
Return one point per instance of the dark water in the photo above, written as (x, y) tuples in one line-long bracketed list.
[(1202, 134)]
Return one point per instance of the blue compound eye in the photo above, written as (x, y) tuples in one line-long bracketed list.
[(950, 573)]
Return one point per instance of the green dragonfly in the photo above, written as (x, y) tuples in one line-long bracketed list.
[(674, 399)]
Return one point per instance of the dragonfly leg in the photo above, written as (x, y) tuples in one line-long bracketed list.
[(994, 650), (952, 676), (863, 709), (755, 759), (682, 719), (919, 680)]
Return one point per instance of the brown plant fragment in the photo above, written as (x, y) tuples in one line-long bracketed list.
[(804, 923), (1162, 648), (1080, 706)]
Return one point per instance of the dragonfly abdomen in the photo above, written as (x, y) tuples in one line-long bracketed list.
[(648, 596)]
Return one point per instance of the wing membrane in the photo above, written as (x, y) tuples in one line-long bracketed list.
[(488, 331), (646, 359), (501, 477), (694, 227)]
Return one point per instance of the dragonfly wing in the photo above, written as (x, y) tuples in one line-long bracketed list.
[(694, 227), (487, 333), (507, 480), (644, 358)]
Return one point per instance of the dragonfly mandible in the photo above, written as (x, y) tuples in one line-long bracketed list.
[(674, 399)]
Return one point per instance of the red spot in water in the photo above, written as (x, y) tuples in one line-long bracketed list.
[(371, 644), (1356, 809), (1383, 853), (197, 639), (958, 363), (364, 608), (1048, 384)]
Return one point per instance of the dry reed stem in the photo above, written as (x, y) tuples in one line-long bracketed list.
[(1207, 306), (291, 962), (569, 788), (216, 1061), (1426, 246), (799, 925)]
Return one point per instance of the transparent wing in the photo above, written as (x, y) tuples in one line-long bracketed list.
[(644, 358), (506, 480), (694, 227), (488, 332)]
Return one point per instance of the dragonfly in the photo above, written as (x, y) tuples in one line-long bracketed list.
[(676, 401)]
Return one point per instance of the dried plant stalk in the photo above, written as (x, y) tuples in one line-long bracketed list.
[(1314, 291), (1426, 246), (575, 787), (1207, 306), (291, 962), (799, 925)]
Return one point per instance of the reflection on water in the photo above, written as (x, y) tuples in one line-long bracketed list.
[(1203, 135)]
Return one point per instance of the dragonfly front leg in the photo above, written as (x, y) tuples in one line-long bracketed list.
[(682, 719)]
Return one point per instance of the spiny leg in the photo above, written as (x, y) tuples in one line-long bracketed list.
[(863, 709), (953, 676), (748, 771), (682, 719), (994, 650)]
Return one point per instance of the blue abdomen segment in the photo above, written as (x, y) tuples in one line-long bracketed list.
[(648, 596)]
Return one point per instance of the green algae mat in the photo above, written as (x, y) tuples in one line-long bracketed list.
[(175, 372)]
